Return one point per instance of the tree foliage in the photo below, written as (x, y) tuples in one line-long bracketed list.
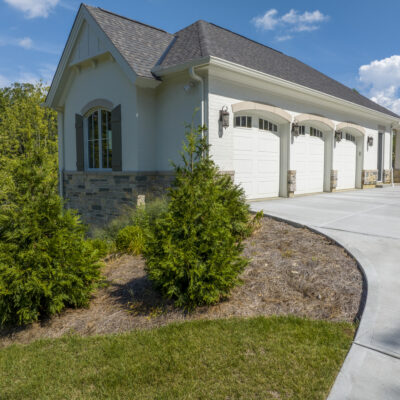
[(194, 253), (25, 125), (45, 262)]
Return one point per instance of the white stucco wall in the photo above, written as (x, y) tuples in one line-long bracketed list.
[(106, 81), (224, 91), (174, 108)]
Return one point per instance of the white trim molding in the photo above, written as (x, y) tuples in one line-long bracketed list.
[(253, 106), (350, 127), (310, 118)]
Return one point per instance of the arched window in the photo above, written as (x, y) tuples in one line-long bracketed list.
[(99, 140)]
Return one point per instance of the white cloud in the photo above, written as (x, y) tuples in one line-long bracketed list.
[(283, 38), (26, 42), (381, 80), (268, 21), (34, 8), (44, 74), (292, 21)]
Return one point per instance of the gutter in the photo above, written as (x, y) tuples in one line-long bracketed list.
[(316, 94)]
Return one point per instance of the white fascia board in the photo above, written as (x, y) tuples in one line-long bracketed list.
[(198, 62), (365, 111), (62, 68)]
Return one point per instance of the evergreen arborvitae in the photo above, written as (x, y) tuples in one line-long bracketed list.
[(45, 262), (194, 253)]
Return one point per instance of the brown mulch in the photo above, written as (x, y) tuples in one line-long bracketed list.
[(292, 271)]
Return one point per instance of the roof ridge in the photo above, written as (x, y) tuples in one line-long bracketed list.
[(203, 41), (128, 19)]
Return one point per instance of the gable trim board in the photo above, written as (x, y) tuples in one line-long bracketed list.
[(158, 95)]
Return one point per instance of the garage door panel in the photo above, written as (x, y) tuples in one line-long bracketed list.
[(344, 162), (309, 164), (256, 162)]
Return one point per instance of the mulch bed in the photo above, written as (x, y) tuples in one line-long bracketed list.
[(292, 271)]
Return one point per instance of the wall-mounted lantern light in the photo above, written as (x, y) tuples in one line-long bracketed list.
[(295, 129), (224, 117), (338, 136), (370, 141)]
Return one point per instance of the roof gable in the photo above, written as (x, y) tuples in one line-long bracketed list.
[(141, 45)]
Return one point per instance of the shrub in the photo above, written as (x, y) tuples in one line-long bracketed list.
[(45, 262), (131, 240), (194, 251), (116, 236)]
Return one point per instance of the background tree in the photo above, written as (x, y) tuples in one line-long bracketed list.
[(25, 125)]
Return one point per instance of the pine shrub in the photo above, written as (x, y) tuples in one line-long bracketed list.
[(45, 262), (193, 254)]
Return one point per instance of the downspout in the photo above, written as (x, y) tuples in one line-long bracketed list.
[(391, 156), (60, 123), (199, 79)]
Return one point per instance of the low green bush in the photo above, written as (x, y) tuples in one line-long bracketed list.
[(131, 240), (45, 262), (193, 254), (143, 217)]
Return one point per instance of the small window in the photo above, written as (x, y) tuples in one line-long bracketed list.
[(267, 126), (315, 132), (243, 121), (302, 130), (99, 140), (351, 138)]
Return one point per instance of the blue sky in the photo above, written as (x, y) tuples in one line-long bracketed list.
[(354, 41)]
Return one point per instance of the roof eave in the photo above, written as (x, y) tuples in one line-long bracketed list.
[(160, 71), (219, 62)]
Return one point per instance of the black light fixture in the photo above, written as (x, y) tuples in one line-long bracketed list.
[(338, 136), (224, 117), (295, 129), (370, 141)]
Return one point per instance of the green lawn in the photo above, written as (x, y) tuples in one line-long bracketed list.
[(258, 358)]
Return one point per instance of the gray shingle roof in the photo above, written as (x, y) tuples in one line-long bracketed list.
[(141, 45), (144, 47)]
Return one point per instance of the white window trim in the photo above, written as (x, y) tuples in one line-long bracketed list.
[(86, 141)]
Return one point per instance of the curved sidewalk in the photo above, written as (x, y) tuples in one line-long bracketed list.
[(367, 224)]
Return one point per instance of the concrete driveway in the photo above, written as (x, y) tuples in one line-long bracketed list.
[(367, 224)]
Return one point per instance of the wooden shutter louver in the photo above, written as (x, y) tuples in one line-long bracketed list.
[(116, 139), (80, 145)]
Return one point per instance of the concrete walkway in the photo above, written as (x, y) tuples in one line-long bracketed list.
[(367, 224)]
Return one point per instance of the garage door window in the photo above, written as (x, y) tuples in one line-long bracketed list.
[(351, 138), (265, 125), (243, 121), (315, 132), (302, 130)]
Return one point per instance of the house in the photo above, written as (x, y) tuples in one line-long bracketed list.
[(124, 89)]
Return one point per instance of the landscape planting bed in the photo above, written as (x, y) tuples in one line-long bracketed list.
[(293, 271)]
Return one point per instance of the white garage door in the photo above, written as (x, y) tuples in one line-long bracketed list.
[(344, 162), (256, 162), (308, 157)]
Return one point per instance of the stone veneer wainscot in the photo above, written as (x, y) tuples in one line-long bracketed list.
[(101, 196)]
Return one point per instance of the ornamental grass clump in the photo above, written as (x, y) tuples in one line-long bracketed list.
[(193, 254)]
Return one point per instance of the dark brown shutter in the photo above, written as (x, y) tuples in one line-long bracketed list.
[(116, 139), (80, 145)]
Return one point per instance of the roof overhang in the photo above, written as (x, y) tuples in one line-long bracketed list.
[(64, 68), (336, 102)]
